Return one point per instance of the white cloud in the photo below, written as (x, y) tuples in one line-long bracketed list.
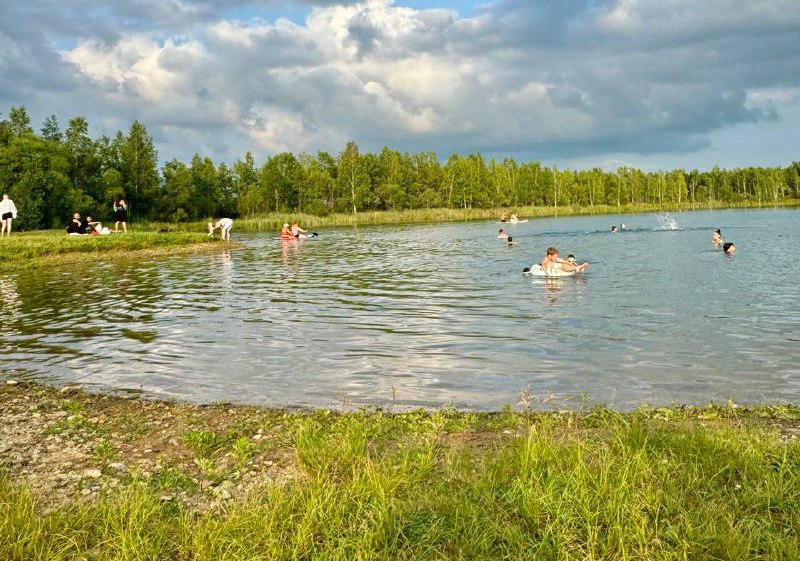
[(572, 80)]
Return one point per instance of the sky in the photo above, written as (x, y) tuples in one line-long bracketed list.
[(656, 84)]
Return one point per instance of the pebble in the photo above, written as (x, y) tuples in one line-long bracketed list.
[(66, 390), (12, 382), (118, 466), (93, 473)]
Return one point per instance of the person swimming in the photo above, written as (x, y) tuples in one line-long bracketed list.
[(503, 217), (613, 229), (622, 226), (511, 241), (552, 262), (729, 248), (501, 235), (716, 239), (571, 258)]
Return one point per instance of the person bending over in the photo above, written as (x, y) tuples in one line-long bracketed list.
[(224, 225)]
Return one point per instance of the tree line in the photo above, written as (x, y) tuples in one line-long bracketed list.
[(52, 173)]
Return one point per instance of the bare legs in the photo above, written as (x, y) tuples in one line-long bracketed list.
[(124, 227), (5, 226)]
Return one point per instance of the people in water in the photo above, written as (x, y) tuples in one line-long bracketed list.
[(716, 239), (571, 258), (8, 212), (729, 248), (120, 214), (296, 229), (552, 262), (501, 235), (503, 217), (224, 225), (286, 233), (511, 241), (622, 226), (515, 220), (613, 229)]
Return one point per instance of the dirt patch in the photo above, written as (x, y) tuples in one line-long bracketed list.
[(67, 444)]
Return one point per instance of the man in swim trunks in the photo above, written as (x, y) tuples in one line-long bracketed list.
[(224, 225), (552, 262)]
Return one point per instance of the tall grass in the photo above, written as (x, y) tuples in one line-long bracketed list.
[(561, 486), (274, 221)]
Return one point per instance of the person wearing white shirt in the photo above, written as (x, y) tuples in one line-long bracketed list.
[(224, 225), (8, 212)]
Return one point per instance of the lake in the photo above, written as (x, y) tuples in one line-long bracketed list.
[(424, 315)]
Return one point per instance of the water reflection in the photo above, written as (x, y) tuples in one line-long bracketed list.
[(435, 313)]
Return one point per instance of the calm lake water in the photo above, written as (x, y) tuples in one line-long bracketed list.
[(430, 314)]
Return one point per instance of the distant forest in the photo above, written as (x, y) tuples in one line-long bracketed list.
[(53, 173)]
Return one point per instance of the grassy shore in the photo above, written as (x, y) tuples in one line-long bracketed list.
[(274, 221), (33, 249), (97, 477)]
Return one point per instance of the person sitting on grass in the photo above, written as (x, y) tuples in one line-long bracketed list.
[(224, 225), (76, 227)]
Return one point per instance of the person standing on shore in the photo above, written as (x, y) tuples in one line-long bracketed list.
[(8, 212), (120, 214)]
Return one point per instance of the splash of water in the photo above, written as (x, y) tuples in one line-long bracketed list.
[(666, 222)]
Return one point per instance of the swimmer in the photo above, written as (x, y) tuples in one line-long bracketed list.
[(613, 229), (503, 217), (515, 220), (552, 262), (729, 248), (716, 239), (224, 225), (511, 241), (501, 235), (296, 230), (571, 258), (622, 226), (286, 233)]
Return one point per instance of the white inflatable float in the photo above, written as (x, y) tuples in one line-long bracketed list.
[(539, 271)]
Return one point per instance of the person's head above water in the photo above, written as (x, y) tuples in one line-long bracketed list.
[(729, 247), (613, 228), (500, 231), (510, 239), (571, 258), (551, 251)]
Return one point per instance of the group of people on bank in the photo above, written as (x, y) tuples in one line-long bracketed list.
[(88, 227)]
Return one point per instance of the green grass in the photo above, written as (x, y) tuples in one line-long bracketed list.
[(274, 221), (39, 248), (708, 483)]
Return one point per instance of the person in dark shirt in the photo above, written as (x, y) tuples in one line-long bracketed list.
[(76, 225)]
